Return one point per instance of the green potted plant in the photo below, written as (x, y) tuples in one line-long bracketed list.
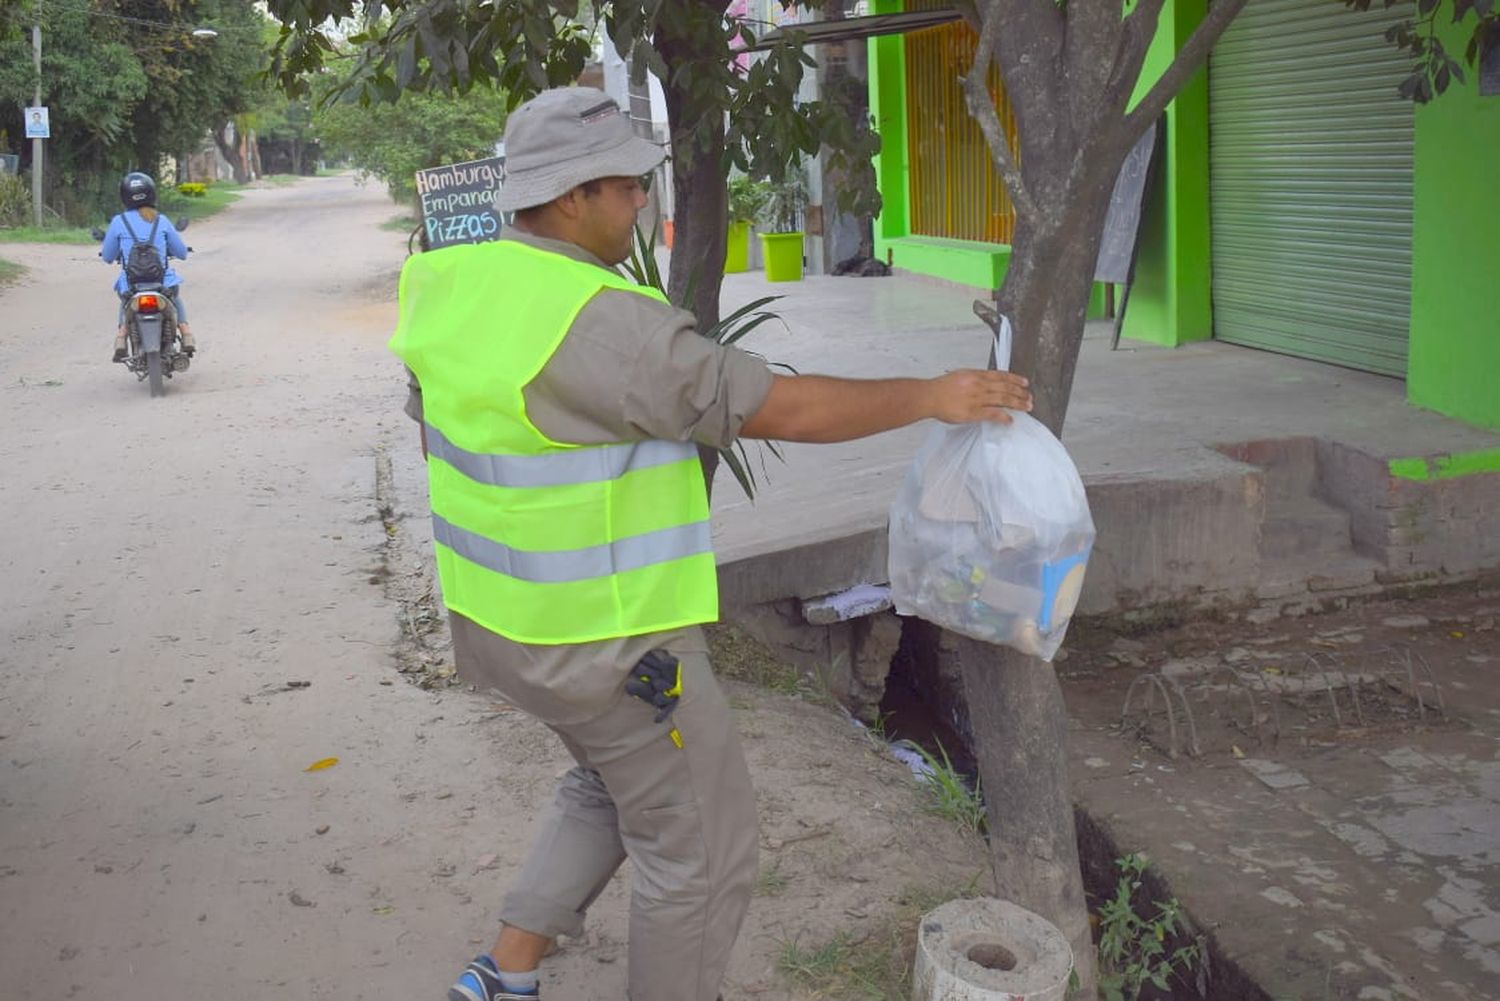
[(746, 198), (780, 216)]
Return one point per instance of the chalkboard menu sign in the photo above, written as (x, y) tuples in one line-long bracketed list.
[(458, 202), (1117, 251)]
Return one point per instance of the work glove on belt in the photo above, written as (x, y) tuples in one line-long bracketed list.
[(657, 679)]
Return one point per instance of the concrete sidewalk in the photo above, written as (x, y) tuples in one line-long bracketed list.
[(1215, 472), (1343, 843)]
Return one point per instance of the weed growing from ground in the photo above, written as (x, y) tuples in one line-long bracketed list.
[(770, 881), (1133, 949), (741, 657), (873, 964), (949, 794)]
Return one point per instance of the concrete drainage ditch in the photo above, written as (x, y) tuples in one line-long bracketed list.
[(901, 677)]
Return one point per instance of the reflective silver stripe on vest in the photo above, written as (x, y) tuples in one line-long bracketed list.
[(568, 565), (578, 465)]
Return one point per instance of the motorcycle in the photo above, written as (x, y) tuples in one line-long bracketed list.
[(153, 347)]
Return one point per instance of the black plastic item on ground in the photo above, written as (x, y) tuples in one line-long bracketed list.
[(860, 266)]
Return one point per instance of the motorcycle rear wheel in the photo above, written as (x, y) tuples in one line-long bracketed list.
[(153, 373)]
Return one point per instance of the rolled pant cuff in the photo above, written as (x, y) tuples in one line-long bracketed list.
[(540, 917)]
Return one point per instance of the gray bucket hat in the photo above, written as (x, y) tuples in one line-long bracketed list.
[(564, 137)]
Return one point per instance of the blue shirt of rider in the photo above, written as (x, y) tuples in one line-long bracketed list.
[(118, 241)]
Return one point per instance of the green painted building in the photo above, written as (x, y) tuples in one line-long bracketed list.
[(1298, 204)]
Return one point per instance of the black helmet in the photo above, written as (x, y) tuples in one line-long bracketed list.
[(137, 190)]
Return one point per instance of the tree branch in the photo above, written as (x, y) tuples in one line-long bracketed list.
[(1186, 63), (970, 11), (982, 107), (1140, 28)]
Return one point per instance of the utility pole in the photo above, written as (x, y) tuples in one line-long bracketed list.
[(36, 144)]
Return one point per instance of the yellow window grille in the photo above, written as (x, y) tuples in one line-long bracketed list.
[(954, 191)]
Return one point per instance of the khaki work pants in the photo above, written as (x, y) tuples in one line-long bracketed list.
[(685, 817)]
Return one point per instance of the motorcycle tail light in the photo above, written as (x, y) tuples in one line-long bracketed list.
[(147, 303)]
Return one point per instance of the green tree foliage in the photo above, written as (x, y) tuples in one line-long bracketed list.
[(394, 141), (289, 120), (194, 84), (1432, 68), (125, 82), (527, 45), (91, 81)]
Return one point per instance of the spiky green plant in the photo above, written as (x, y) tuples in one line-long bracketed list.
[(643, 270)]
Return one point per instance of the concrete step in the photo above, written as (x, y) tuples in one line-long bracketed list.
[(1306, 576), (1304, 527), (1289, 483)]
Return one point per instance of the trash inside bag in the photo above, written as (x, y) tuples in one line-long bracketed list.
[(990, 533)]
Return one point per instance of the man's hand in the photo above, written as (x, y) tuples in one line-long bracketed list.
[(979, 395), (819, 408)]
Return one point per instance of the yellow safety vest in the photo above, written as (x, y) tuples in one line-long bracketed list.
[(538, 540)]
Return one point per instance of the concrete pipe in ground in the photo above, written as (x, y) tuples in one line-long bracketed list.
[(989, 950)]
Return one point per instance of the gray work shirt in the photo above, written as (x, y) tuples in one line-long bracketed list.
[(630, 367)]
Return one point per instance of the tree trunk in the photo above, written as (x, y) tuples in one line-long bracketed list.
[(1020, 724), (1069, 70), (1015, 702), (700, 199), (701, 211), (1046, 296), (231, 153)]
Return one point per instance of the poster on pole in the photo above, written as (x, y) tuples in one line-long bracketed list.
[(36, 124), (458, 202)]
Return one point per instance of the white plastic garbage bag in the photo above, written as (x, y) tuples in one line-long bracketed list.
[(990, 533)]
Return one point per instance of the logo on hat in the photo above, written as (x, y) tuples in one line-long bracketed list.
[(599, 112)]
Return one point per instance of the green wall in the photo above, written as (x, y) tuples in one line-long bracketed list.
[(1170, 302), (981, 265), (888, 108), (966, 262), (1454, 364)]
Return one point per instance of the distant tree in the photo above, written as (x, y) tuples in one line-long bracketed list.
[(194, 84), (91, 82), (393, 141), (127, 84), (289, 121)]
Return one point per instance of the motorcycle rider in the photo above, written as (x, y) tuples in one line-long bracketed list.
[(138, 195)]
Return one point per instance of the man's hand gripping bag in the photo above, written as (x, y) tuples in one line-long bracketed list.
[(990, 532)]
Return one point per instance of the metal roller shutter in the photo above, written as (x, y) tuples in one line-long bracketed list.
[(1310, 160)]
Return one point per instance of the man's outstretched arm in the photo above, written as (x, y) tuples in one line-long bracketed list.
[(818, 408)]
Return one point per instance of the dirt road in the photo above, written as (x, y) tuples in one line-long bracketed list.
[(196, 609)]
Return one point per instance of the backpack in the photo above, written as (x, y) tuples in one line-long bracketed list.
[(143, 265)]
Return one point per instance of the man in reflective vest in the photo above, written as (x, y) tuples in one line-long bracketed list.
[(561, 406)]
